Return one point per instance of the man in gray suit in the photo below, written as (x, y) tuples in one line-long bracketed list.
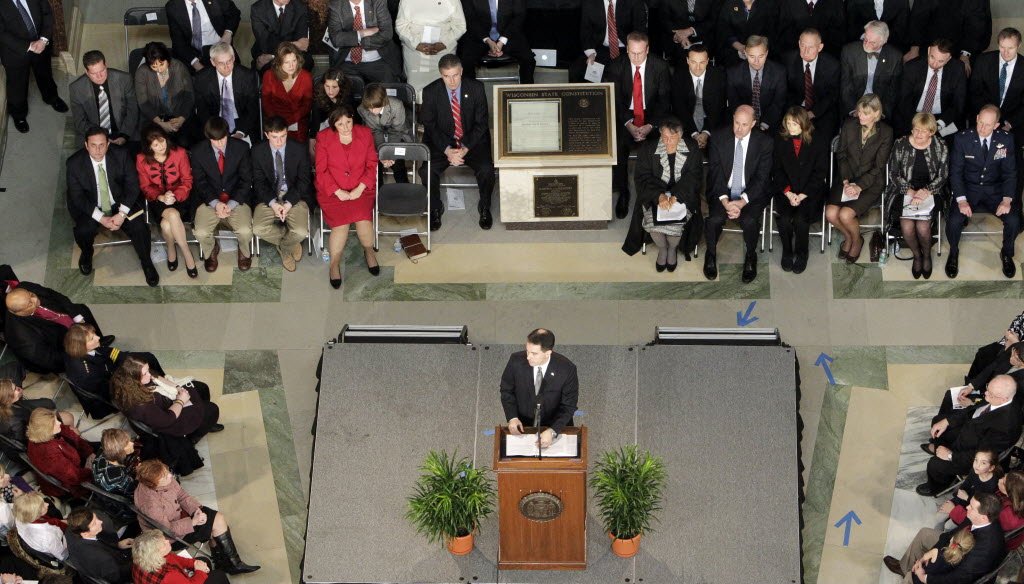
[(361, 31), (871, 66), (106, 98)]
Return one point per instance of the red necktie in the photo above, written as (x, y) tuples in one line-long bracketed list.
[(357, 24), (808, 87), (756, 97), (220, 165), (53, 316), (638, 99), (457, 117), (613, 32)]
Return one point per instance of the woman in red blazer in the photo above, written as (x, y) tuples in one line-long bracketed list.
[(288, 91), (165, 179), (346, 183), (60, 452), (153, 562)]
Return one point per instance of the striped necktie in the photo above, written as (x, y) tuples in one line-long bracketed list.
[(103, 102)]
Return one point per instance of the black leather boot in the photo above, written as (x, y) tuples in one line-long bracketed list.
[(225, 555)]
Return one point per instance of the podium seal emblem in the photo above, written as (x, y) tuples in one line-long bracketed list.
[(540, 506)]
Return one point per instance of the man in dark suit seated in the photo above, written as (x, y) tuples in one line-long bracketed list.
[(361, 32), (759, 83), (103, 192), (643, 86), (813, 82), (983, 178), (935, 85), (966, 24), (457, 131), (275, 22), (894, 13), (281, 182), (26, 28), (828, 17), (603, 31), (870, 66), (998, 80), (37, 320), (229, 91), (197, 25), (94, 552), (739, 164), (988, 551), (538, 375), (994, 424), (104, 97), (495, 28), (222, 188), (676, 26), (700, 89)]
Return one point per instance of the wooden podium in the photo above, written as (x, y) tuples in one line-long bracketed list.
[(542, 508)]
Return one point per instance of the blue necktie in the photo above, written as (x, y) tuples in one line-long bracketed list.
[(197, 28), (1002, 82), (737, 172), (494, 20), (27, 18)]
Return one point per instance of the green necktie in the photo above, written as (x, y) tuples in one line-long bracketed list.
[(104, 191)]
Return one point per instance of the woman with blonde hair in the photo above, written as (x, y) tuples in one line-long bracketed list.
[(39, 531), (160, 497), (57, 450), (288, 91), (153, 562)]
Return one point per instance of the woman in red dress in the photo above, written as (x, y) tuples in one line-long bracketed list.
[(346, 181), (288, 91), (165, 179)]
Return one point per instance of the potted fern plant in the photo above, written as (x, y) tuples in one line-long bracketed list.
[(450, 499), (628, 485)]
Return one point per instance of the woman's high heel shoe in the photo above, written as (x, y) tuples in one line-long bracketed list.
[(171, 266), (915, 269), (192, 272), (335, 283), (659, 267), (374, 270), (926, 268)]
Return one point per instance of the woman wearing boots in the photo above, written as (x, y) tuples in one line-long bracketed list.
[(801, 182), (160, 497)]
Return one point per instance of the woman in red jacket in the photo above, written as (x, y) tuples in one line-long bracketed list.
[(165, 179), (1011, 495), (288, 91), (153, 562), (60, 452), (346, 181)]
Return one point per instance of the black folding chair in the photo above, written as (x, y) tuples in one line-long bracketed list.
[(155, 16), (82, 575), (402, 199)]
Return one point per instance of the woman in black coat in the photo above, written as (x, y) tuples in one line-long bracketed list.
[(668, 171), (801, 182)]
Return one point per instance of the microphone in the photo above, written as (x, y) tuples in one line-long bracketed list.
[(536, 421)]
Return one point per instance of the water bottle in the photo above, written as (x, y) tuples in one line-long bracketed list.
[(398, 246), (325, 255), (883, 256)]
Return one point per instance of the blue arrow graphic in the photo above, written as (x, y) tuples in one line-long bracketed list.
[(823, 361), (848, 519), (745, 319)]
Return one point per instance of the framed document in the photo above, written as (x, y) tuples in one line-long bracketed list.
[(574, 122), (534, 125)]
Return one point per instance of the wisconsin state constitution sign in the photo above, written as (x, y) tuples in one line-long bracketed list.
[(566, 122)]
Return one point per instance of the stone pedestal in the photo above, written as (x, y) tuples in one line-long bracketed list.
[(517, 198)]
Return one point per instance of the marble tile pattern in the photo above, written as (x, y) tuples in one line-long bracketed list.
[(912, 459), (865, 281)]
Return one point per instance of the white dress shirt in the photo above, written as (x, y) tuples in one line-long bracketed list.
[(210, 36), (1009, 76), (97, 213), (44, 537), (743, 166), (369, 56), (592, 52), (937, 103)]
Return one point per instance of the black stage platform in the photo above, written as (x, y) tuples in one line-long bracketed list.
[(723, 418)]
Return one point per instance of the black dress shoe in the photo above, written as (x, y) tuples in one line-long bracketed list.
[(953, 264), (799, 263), (787, 262), (435, 220), (622, 205), (485, 219), (21, 124), (670, 267), (894, 565), (1009, 267), (926, 490), (85, 266), (710, 267), (749, 269), (926, 267), (171, 266), (152, 278), (106, 340), (915, 268), (660, 267), (58, 105), (335, 283), (216, 428)]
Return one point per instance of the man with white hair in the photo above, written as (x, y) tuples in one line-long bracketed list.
[(871, 66), (230, 91)]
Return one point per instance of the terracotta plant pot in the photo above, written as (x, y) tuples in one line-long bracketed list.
[(625, 548), (461, 546)]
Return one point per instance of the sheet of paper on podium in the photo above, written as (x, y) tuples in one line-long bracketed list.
[(565, 446)]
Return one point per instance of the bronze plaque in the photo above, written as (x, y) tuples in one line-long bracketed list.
[(567, 122), (556, 196), (540, 506)]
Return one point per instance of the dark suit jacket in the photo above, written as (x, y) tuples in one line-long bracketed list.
[(511, 21), (863, 164), (894, 13), (15, 37), (99, 559), (6, 273), (124, 107), (245, 90), (666, 16), (967, 166), (559, 391), (829, 18), (997, 430), (121, 176), (657, 89), (964, 22), (807, 173), (734, 26), (985, 89), (92, 373), (773, 91), (38, 343), (439, 126), (756, 168), (296, 172), (375, 14), (270, 32), (854, 65), (989, 550), (224, 15), (952, 93), (630, 15), (208, 182), (684, 100), (826, 90)]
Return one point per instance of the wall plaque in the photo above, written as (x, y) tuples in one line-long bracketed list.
[(567, 122), (556, 196)]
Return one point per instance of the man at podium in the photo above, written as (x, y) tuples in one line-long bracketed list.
[(539, 376)]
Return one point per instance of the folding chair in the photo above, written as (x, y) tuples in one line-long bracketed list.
[(487, 62), (772, 231), (407, 94), (155, 16), (357, 87), (402, 199), (90, 396)]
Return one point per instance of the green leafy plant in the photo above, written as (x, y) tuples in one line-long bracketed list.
[(451, 497), (628, 485)]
